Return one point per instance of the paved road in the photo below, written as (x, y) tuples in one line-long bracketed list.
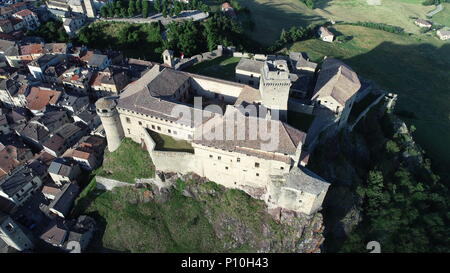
[(195, 15), (438, 8)]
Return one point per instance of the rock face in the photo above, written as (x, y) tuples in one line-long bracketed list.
[(241, 222)]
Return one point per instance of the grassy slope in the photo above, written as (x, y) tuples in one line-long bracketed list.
[(415, 68), (393, 12), (180, 224), (222, 68), (128, 162), (271, 16), (443, 17)]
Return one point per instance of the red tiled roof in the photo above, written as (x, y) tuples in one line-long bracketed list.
[(39, 98), (32, 49), (24, 13)]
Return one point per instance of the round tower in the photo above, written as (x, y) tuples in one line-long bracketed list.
[(106, 109)]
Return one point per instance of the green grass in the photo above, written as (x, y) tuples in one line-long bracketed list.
[(167, 143), (443, 17), (415, 67), (129, 223), (271, 16), (222, 68), (300, 121), (128, 162)]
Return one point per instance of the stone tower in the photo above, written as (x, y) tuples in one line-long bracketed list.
[(168, 58), (89, 8), (106, 109), (274, 86)]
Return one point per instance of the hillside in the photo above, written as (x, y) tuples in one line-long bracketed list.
[(415, 67), (194, 217), (271, 16)]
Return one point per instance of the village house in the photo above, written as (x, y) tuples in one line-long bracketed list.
[(325, 35), (50, 191), (73, 102), (13, 155), (88, 152), (77, 79), (72, 24), (64, 138), (88, 117), (13, 234), (108, 82), (30, 18), (423, 23), (38, 66), (55, 234), (443, 34), (97, 61), (20, 185), (41, 99), (63, 201), (6, 26), (63, 171)]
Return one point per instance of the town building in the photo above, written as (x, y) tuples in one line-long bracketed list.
[(325, 35), (443, 34), (30, 18), (64, 200), (13, 234), (423, 23), (63, 171), (20, 185)]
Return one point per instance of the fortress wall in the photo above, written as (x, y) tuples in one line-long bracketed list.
[(232, 173), (209, 88), (179, 162), (132, 129)]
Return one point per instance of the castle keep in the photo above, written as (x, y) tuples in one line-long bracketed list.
[(162, 101)]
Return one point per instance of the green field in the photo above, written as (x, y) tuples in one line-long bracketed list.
[(222, 68), (271, 16), (128, 162), (415, 67), (443, 17)]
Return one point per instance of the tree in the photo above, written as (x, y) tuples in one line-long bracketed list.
[(164, 10), (131, 9), (157, 5), (144, 8), (392, 147), (138, 6)]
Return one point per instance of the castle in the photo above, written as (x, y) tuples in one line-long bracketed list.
[(216, 117)]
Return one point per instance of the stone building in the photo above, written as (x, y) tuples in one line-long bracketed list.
[(13, 234), (161, 101), (325, 35)]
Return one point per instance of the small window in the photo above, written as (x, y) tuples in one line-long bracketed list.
[(256, 164), (281, 168), (210, 156), (170, 131), (128, 120), (129, 131), (153, 126), (140, 123), (257, 174), (219, 157), (226, 168), (238, 159), (159, 128)]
